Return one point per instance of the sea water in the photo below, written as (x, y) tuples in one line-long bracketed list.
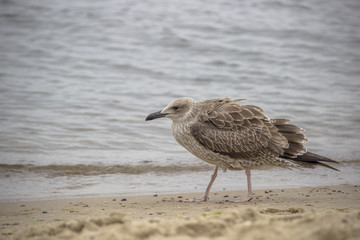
[(78, 78)]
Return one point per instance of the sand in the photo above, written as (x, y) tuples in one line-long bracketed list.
[(327, 212)]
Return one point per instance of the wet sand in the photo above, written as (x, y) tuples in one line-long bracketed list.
[(326, 212)]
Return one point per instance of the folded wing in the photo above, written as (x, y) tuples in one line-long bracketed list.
[(244, 132)]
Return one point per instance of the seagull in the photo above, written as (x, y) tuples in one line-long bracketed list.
[(232, 136)]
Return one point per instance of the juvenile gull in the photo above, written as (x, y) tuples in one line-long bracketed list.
[(237, 137)]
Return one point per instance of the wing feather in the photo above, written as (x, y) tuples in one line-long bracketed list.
[(239, 131)]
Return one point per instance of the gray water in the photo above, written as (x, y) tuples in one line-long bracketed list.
[(78, 78)]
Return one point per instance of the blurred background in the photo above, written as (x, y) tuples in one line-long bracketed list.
[(78, 78)]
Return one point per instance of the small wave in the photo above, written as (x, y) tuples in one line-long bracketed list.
[(93, 170), (351, 162)]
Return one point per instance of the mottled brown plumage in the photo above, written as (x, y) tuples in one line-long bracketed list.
[(237, 137)]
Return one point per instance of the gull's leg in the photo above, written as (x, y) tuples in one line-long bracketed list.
[(206, 196), (250, 194)]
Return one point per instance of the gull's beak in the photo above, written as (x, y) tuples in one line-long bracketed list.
[(155, 115)]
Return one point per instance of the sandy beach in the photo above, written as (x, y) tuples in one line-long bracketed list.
[(326, 212)]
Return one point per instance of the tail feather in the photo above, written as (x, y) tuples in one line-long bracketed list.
[(312, 157), (296, 151), (328, 166), (310, 160)]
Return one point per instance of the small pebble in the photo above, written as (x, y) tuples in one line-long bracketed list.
[(155, 195), (226, 195), (114, 200), (22, 206), (179, 196), (44, 212), (333, 190), (124, 199), (307, 196)]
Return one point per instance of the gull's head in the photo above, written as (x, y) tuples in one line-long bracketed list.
[(176, 110)]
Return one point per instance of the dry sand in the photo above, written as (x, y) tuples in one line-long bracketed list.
[(331, 212)]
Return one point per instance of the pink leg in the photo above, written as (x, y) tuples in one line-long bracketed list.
[(250, 194), (206, 196)]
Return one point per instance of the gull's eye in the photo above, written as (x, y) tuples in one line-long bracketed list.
[(176, 107)]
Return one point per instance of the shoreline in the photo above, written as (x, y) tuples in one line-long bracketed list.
[(241, 192), (19, 217), (47, 186)]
